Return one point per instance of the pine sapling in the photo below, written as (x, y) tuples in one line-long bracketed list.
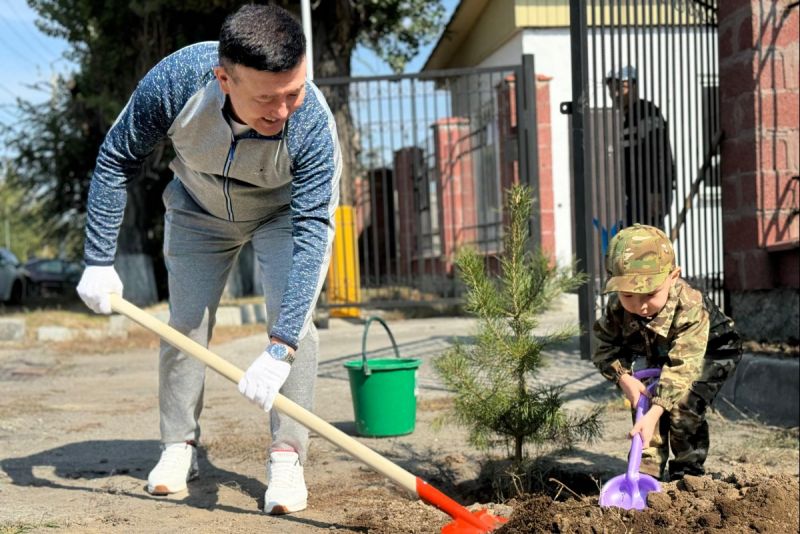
[(496, 397)]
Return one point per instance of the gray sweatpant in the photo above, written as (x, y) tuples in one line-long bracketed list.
[(199, 252)]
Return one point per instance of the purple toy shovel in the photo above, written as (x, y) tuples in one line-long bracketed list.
[(629, 491)]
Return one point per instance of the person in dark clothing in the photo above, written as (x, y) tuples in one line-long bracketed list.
[(647, 166)]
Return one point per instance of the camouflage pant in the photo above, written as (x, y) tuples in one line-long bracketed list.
[(684, 429)]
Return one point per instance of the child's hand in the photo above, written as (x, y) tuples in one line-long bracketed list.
[(632, 388), (646, 425)]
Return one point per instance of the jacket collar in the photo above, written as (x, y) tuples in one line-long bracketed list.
[(660, 324)]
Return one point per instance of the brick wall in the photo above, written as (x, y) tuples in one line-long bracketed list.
[(759, 99), (759, 102)]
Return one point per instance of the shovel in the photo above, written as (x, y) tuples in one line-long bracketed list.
[(465, 522), (629, 491)]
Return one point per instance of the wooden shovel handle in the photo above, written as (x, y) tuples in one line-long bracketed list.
[(283, 404)]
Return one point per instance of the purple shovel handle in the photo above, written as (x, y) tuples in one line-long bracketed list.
[(635, 456), (629, 491), (647, 373)]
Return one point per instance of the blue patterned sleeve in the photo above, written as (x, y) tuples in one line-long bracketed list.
[(316, 168), (141, 125)]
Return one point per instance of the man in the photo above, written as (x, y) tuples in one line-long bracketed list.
[(256, 159), (647, 166)]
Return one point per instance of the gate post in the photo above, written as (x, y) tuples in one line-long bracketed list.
[(581, 183), (528, 148)]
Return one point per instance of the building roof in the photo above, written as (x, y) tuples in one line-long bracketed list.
[(478, 28), (454, 50)]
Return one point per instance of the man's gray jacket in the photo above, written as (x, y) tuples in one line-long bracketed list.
[(237, 179)]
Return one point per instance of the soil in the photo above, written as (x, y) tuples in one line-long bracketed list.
[(743, 502), (79, 433)]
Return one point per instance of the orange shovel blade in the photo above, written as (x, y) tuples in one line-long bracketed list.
[(466, 522), (484, 517)]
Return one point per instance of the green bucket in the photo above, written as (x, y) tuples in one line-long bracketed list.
[(383, 390)]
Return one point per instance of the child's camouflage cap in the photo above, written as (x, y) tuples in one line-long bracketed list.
[(639, 260)]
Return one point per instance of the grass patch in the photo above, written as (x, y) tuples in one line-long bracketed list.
[(22, 527), (139, 338), (780, 438), (78, 318), (73, 314), (70, 319), (435, 404), (230, 444), (619, 403), (239, 448)]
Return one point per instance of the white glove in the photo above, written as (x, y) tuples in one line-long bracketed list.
[(263, 380), (97, 283)]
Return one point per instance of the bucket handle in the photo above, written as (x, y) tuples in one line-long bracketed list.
[(364, 365)]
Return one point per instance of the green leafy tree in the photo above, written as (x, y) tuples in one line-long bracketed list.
[(23, 227), (394, 29), (115, 42), (493, 379)]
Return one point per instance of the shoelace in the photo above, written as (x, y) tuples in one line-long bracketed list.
[(282, 473), (174, 455)]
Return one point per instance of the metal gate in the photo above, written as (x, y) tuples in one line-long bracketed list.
[(430, 156), (645, 135)]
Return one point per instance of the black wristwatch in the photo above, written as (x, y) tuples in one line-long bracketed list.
[(280, 352)]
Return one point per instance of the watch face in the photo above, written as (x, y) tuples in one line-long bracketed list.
[(278, 351)]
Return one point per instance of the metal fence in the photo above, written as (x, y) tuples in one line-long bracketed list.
[(645, 135), (430, 156)]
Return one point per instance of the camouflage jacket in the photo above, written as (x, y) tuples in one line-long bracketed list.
[(675, 340)]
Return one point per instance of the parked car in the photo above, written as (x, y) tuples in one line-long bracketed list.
[(13, 278), (48, 276)]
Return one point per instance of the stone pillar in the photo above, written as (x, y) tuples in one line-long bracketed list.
[(455, 186), (407, 162), (547, 216), (509, 162)]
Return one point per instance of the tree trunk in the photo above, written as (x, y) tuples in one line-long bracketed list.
[(134, 266), (519, 441), (334, 42), (134, 263)]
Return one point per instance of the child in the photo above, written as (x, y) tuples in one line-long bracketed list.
[(654, 318)]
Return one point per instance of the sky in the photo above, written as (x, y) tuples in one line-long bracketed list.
[(29, 57), (366, 63)]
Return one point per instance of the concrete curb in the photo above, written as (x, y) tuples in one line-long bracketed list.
[(118, 326), (764, 388), (12, 329)]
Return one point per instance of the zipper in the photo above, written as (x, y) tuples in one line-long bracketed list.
[(226, 185), (647, 347), (647, 344)]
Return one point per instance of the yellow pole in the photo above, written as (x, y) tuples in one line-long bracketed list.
[(344, 285)]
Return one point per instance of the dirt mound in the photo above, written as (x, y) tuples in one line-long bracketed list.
[(738, 503)]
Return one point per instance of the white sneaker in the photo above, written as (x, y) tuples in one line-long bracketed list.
[(177, 466), (286, 487)]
